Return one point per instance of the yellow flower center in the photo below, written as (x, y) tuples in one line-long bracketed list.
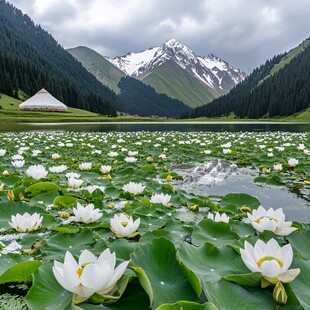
[(124, 223), (268, 217), (79, 271), (269, 258)]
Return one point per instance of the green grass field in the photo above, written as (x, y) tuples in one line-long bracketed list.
[(9, 112)]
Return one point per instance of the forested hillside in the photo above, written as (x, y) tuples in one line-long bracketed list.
[(31, 59), (138, 98), (280, 87)]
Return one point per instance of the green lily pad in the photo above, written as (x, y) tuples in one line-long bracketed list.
[(46, 292), (187, 305), (217, 233), (20, 272), (159, 273), (56, 246)]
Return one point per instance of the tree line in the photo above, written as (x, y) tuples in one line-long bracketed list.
[(264, 94)]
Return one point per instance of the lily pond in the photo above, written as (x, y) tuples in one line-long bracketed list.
[(136, 220)]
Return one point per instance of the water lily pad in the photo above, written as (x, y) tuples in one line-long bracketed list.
[(235, 201), (46, 293), (20, 272), (160, 275), (217, 233), (186, 305), (56, 246)]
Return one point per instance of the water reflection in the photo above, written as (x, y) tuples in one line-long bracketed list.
[(155, 126)]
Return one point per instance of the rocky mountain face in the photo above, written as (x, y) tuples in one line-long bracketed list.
[(210, 70)]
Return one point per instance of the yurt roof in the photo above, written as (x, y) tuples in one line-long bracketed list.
[(43, 100)]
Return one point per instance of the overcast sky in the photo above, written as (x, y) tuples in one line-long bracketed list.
[(243, 32)]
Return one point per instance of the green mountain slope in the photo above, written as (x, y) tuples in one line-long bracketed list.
[(31, 59), (105, 72), (172, 80), (280, 87)]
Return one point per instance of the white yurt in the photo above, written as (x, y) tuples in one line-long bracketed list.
[(43, 101)]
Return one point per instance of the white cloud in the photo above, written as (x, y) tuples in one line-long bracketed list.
[(244, 33)]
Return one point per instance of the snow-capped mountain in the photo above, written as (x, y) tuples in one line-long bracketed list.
[(210, 70)]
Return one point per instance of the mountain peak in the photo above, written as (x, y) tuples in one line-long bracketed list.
[(210, 70)]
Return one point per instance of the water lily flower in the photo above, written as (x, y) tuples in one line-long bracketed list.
[(132, 153), (26, 222), (272, 260), (17, 157), (55, 156), (218, 217), (90, 274), (130, 159), (273, 220), (37, 172), (87, 214), (18, 163), (58, 169), (74, 183), (92, 188), (162, 156), (112, 154), (85, 166), (2, 152), (105, 169), (124, 226), (226, 151), (133, 188), (164, 199), (277, 167), (293, 162), (72, 175)]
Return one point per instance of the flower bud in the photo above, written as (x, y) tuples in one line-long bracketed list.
[(108, 177), (11, 195), (279, 294), (5, 173), (150, 159), (194, 208), (169, 178)]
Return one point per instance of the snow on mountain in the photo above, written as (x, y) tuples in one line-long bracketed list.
[(210, 70), (131, 62)]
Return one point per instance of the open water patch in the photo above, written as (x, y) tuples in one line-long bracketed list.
[(219, 177)]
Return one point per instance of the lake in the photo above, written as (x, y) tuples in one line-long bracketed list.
[(296, 207), (156, 126)]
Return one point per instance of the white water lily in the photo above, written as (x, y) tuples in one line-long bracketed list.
[(164, 199), (92, 188), (72, 175), (18, 163), (105, 169), (58, 169), (90, 274), (112, 154), (133, 188), (277, 167), (87, 214), (37, 172), (124, 226), (85, 166), (130, 159), (26, 222), (17, 157), (293, 162), (2, 152), (218, 217), (132, 153), (74, 183), (273, 220), (55, 156), (272, 260)]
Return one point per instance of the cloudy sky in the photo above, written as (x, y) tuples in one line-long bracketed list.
[(243, 32)]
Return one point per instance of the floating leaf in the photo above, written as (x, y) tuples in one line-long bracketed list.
[(160, 274)]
